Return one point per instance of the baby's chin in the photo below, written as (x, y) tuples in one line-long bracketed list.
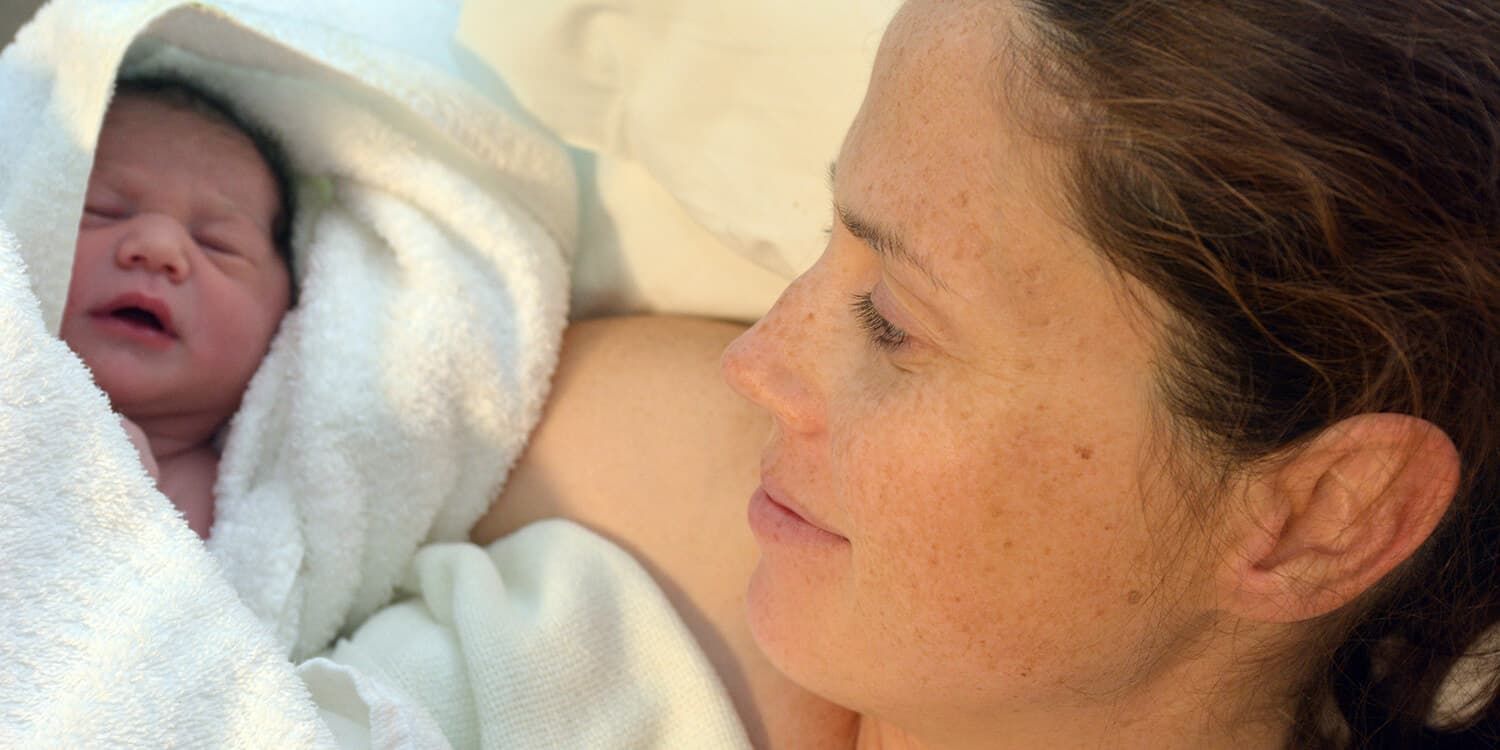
[(162, 412)]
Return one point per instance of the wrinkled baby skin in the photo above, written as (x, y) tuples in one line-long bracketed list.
[(177, 286)]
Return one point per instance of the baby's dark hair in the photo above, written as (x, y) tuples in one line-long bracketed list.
[(183, 94)]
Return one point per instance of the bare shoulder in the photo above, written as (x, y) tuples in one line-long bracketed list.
[(643, 443), (637, 431)]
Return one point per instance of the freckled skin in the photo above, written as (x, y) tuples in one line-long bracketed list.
[(989, 483)]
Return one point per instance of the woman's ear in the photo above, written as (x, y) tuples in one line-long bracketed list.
[(1334, 518)]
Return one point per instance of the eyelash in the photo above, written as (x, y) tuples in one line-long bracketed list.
[(112, 214), (217, 247), (882, 332)]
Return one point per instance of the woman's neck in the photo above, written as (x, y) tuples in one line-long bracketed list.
[(877, 735), (1184, 706)]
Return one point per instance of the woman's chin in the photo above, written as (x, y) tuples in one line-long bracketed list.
[(793, 627)]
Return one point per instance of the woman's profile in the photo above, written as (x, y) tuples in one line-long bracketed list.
[(1143, 395)]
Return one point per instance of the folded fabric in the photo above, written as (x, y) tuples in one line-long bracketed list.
[(707, 127), (549, 638), (116, 629), (431, 244)]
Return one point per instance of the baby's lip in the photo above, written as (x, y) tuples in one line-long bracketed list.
[(140, 309)]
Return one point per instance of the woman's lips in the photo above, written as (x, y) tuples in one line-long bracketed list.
[(773, 522)]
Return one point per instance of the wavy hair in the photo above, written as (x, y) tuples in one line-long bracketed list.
[(1313, 188)]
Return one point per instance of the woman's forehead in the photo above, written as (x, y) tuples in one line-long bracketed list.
[(934, 153), (945, 154)]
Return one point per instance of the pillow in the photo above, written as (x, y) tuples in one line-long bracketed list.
[(703, 131)]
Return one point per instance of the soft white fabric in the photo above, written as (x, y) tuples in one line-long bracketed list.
[(551, 637), (706, 129), (116, 629), (431, 247)]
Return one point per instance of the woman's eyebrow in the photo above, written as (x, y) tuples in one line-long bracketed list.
[(886, 243)]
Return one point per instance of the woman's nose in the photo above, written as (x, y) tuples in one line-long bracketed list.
[(773, 364), (158, 244)]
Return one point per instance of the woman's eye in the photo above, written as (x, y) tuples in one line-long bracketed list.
[(882, 332)]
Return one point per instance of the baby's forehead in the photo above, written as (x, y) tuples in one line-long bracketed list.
[(144, 138), (171, 105), (168, 114)]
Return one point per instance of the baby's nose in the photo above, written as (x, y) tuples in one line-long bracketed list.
[(158, 244)]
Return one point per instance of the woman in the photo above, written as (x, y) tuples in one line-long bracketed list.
[(1142, 396)]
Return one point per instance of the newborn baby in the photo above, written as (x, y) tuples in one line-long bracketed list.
[(180, 276)]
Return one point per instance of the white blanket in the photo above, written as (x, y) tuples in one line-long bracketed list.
[(431, 246), (430, 251)]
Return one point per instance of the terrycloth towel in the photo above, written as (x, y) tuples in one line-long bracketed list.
[(116, 629), (430, 248), (549, 638)]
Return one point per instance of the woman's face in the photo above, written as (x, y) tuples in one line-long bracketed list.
[(958, 515)]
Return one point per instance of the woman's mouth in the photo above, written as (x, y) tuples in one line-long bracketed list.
[(775, 523)]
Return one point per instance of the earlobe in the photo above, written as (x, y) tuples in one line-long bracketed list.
[(1334, 518)]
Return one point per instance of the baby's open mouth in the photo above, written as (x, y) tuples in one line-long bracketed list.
[(139, 312), (140, 317)]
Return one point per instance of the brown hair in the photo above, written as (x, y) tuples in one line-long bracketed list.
[(1313, 187)]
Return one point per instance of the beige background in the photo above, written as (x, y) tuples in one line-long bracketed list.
[(13, 13)]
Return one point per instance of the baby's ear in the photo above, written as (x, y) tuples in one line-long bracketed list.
[(1334, 518)]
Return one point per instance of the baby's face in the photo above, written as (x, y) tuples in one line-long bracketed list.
[(177, 287)]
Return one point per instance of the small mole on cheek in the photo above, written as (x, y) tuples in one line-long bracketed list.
[(1084, 452), (1134, 597)]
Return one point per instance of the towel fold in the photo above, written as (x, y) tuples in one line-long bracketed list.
[(116, 628), (431, 243)]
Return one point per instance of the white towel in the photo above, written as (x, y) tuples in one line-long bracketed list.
[(117, 629), (549, 638), (431, 255), (89, 551), (431, 252)]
